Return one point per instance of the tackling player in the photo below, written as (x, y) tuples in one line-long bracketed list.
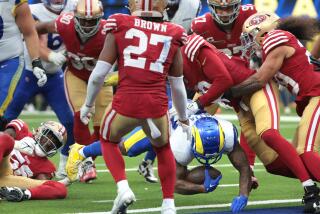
[(147, 50), (25, 168), (15, 18), (286, 60), (52, 50)]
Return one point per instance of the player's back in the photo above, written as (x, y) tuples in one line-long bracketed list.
[(10, 37)]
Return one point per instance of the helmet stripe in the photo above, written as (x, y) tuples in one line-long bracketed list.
[(198, 141), (221, 138), (88, 7)]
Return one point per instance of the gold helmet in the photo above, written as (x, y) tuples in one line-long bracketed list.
[(88, 14), (147, 8), (49, 137), (224, 12), (254, 30)]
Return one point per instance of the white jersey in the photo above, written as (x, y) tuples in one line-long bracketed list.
[(187, 11), (182, 148), (54, 42), (10, 37)]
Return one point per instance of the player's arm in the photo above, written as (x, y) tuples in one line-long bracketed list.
[(183, 186), (46, 27), (315, 52), (269, 68), (238, 159), (26, 24)]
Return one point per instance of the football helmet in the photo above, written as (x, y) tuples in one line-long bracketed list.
[(49, 137), (87, 17), (55, 5), (173, 2), (207, 140), (254, 30), (147, 8), (224, 12)]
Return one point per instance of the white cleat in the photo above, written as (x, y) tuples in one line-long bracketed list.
[(123, 200), (168, 208), (146, 170)]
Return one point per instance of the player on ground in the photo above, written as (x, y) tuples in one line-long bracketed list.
[(15, 18), (147, 50), (52, 50), (25, 168), (83, 33), (286, 60)]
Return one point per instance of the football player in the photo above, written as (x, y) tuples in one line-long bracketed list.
[(147, 50), (25, 168), (52, 50), (83, 33), (286, 60), (15, 18)]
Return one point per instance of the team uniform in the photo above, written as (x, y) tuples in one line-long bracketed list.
[(298, 76), (11, 56), (18, 169), (53, 91), (229, 43), (82, 58)]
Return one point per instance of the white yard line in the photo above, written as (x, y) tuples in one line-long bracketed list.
[(250, 203)]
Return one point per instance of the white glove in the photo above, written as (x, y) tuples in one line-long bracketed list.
[(192, 108), (39, 72), (26, 145), (58, 58), (86, 113), (186, 128)]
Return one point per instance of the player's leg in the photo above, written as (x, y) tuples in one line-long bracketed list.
[(54, 93), (113, 127), (10, 73), (308, 137), (166, 160)]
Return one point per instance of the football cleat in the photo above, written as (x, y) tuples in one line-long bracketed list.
[(123, 200), (146, 170), (311, 199), (73, 162), (89, 172), (13, 194), (167, 208)]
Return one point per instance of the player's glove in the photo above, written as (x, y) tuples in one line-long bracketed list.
[(26, 145), (239, 203), (86, 113), (39, 72), (58, 58), (209, 183), (194, 108)]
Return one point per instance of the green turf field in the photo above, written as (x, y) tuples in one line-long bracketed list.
[(98, 196)]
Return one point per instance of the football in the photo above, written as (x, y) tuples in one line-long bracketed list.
[(196, 175)]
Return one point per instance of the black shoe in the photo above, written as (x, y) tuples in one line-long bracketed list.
[(13, 194), (311, 199)]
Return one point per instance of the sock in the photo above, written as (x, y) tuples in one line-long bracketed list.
[(287, 153), (277, 167), (247, 150), (312, 162), (114, 160), (122, 185), (81, 132), (62, 162), (168, 202), (307, 183), (96, 134), (70, 139), (92, 150), (166, 170), (139, 147), (150, 156), (6, 145), (49, 190)]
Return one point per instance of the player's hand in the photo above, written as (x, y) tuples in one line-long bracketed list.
[(186, 128), (193, 108), (58, 58), (209, 183), (86, 113), (239, 203), (26, 145), (39, 72)]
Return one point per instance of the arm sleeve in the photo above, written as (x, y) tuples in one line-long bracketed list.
[(179, 96), (216, 71)]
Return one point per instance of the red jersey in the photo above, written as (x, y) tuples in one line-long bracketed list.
[(209, 71), (145, 53), (230, 42), (296, 73), (82, 57), (23, 164)]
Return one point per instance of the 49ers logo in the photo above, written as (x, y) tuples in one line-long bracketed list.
[(257, 19)]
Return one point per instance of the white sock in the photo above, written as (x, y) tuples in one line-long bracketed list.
[(307, 183), (168, 202), (63, 161), (123, 185), (28, 193), (81, 152)]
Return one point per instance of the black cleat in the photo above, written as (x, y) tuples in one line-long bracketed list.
[(311, 199), (13, 194)]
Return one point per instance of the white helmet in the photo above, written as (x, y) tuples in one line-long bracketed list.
[(231, 10), (147, 8)]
